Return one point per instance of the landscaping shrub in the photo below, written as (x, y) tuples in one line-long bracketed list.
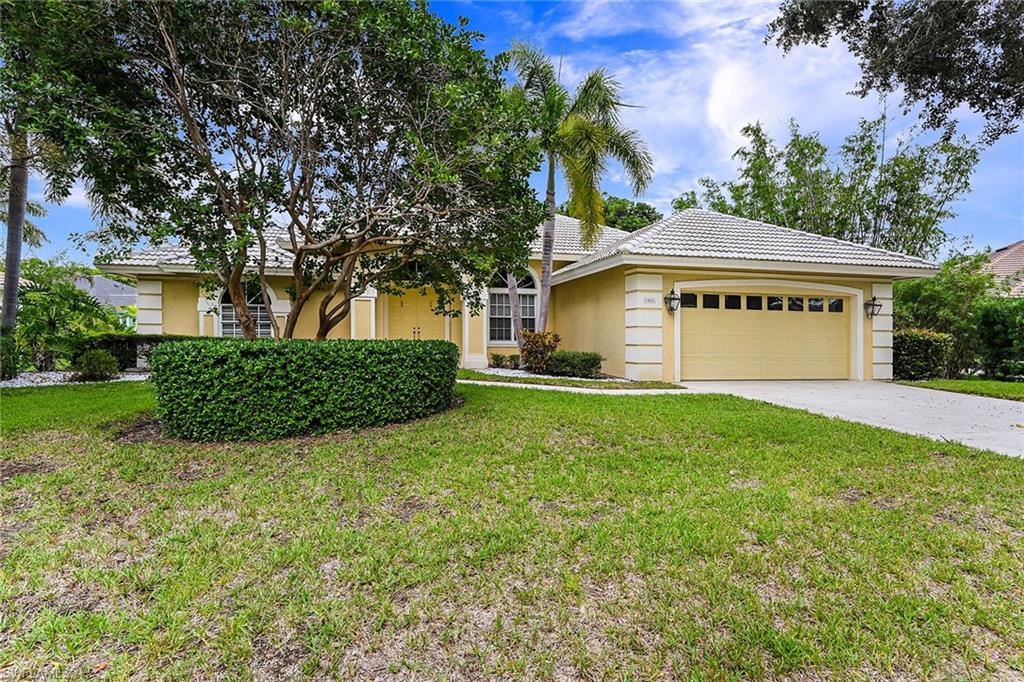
[(95, 365), (498, 361), (920, 353), (210, 390), (537, 348), (1001, 336), (125, 346), (11, 355), (512, 361), (575, 363)]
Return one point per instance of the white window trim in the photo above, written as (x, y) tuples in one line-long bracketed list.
[(856, 320), (504, 290), (210, 305)]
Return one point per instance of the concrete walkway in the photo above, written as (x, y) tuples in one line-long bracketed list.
[(986, 423), (577, 389)]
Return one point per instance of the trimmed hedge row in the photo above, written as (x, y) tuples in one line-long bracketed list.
[(920, 353), (1001, 336), (125, 346), (575, 363), (212, 390)]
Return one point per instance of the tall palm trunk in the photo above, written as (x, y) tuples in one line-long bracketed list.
[(17, 200), (547, 248)]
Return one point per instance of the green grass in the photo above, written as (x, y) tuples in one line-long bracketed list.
[(526, 534), (563, 381), (26, 409), (1008, 390)]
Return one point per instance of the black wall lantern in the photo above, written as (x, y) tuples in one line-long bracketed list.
[(872, 307), (672, 301)]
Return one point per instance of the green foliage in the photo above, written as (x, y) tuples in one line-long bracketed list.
[(940, 55), (622, 214), (261, 390), (920, 353), (54, 313), (499, 360), (687, 199), (95, 365), (895, 198), (575, 363), (536, 349), (11, 355), (126, 347), (1001, 336), (947, 303)]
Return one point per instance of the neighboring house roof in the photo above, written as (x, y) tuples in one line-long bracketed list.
[(108, 291), (175, 258), (3, 280), (696, 234), (1008, 262)]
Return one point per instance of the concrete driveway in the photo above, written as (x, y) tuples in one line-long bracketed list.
[(986, 423)]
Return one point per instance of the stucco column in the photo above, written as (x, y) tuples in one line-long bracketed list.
[(881, 333), (643, 327), (150, 306)]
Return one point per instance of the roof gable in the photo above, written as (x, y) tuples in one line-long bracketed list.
[(1007, 262)]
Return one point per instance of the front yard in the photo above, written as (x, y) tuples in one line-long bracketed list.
[(1007, 390), (525, 534)]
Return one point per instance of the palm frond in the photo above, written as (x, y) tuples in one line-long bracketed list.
[(584, 145), (597, 98), (626, 146), (534, 69)]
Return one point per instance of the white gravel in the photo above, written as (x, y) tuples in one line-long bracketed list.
[(523, 374), (27, 379)]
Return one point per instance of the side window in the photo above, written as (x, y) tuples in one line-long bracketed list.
[(755, 303)]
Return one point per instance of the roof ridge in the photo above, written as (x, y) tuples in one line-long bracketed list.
[(822, 237)]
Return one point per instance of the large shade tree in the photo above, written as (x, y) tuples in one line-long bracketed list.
[(579, 133), (895, 197), (372, 139), (940, 55)]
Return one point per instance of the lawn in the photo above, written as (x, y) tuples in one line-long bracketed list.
[(564, 381), (1009, 390), (524, 534)]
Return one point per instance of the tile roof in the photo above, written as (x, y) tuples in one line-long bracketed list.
[(567, 237), (567, 243), (1007, 262), (696, 233)]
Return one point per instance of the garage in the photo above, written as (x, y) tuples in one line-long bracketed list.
[(764, 335)]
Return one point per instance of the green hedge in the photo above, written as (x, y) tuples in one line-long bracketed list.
[(575, 363), (920, 354), (211, 390), (124, 346), (1001, 336)]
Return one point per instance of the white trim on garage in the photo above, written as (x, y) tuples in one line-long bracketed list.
[(856, 316)]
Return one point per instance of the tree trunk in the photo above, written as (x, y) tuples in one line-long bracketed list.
[(236, 290), (17, 200), (329, 323), (547, 248), (517, 311)]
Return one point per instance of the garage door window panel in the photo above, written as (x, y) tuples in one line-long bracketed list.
[(774, 303), (732, 302), (755, 303), (835, 305), (815, 305), (796, 304), (688, 300), (710, 301)]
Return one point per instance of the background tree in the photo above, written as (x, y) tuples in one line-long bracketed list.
[(578, 133), (687, 199), (942, 55), (896, 198), (948, 303), (60, 99), (622, 214)]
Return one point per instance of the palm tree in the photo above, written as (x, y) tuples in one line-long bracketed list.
[(577, 132)]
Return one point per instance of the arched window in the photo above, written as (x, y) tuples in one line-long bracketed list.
[(229, 325), (499, 322)]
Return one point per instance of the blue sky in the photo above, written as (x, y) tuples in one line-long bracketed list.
[(697, 71)]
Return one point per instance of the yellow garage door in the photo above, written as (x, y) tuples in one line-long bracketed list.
[(728, 335)]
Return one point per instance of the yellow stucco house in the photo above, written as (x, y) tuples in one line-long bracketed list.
[(751, 301)]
